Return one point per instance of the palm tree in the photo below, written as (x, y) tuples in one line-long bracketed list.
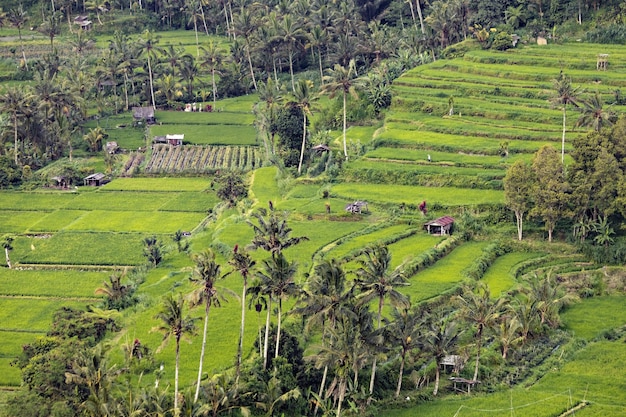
[(8, 247), (277, 281), (405, 333), (508, 333), (565, 94), (290, 34), (245, 25), (177, 324), (242, 263), (271, 395), (114, 290), (212, 57), (51, 27), (272, 233), (548, 297), (188, 74), (341, 79), (326, 301), (18, 18), (205, 274), (439, 339), (304, 99), (148, 46), (376, 280), (95, 137), (478, 309), (594, 115), (15, 102)]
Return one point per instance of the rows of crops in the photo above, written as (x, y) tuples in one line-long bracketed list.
[(202, 159)]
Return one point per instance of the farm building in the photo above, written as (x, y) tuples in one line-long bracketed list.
[(112, 147), (174, 140), (440, 226), (83, 22), (144, 114), (95, 180)]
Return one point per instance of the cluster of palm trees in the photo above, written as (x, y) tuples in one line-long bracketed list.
[(352, 334)]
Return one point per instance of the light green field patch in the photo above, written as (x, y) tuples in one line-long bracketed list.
[(158, 184), (55, 221), (36, 201), (209, 134), (590, 317), (445, 274), (136, 221), (407, 249), (499, 278), (196, 202), (446, 196), (264, 186), (81, 249), (10, 375), (122, 201), (17, 221), (52, 283), (33, 314), (361, 241), (205, 118)]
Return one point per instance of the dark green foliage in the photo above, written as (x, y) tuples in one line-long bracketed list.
[(153, 250), (502, 41), (69, 323), (10, 174), (613, 34), (288, 126), (231, 187)]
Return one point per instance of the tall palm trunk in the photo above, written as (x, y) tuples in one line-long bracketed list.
[(176, 410), (202, 350), (214, 88), (151, 83), (15, 138), (319, 56), (303, 143), (437, 374), (241, 329), (563, 138), (381, 302), (280, 311), (293, 84), (342, 393), (251, 67), (479, 341), (345, 146), (401, 372), (267, 333), (419, 13)]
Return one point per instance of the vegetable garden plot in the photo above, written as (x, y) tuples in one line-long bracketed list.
[(205, 159)]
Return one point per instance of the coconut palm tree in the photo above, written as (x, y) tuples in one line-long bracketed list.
[(290, 33), (18, 17), (341, 79), (206, 273), (272, 233), (439, 339), (7, 244), (15, 102), (277, 280), (242, 262), (376, 280), (246, 25), (176, 323), (51, 27), (481, 311), (404, 332), (95, 137), (565, 94), (326, 301), (148, 46), (304, 99), (594, 115), (212, 57)]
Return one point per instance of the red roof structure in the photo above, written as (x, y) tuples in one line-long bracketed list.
[(441, 226)]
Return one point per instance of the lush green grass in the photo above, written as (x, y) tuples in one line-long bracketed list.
[(397, 194), (351, 245), (590, 317), (158, 184), (264, 187), (51, 283), (406, 249), (205, 118), (55, 221), (122, 201), (136, 221), (209, 135), (499, 278), (461, 158), (17, 221), (445, 274), (33, 315), (81, 248), (36, 201)]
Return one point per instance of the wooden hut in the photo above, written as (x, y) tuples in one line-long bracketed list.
[(175, 140), (83, 22), (144, 114), (95, 180), (441, 226), (357, 207)]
